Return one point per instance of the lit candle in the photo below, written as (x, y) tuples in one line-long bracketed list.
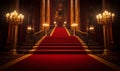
[(91, 28), (54, 22), (21, 17), (10, 17), (98, 18), (113, 15), (7, 16), (65, 22), (29, 28), (106, 12)]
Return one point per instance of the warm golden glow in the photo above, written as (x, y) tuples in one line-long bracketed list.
[(7, 15), (91, 28), (14, 18), (54, 22), (105, 18), (65, 22), (113, 15), (74, 25), (29, 28), (45, 25)]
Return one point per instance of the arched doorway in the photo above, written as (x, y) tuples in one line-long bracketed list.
[(60, 11)]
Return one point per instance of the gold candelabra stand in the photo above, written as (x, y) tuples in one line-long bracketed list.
[(74, 26), (14, 18), (105, 19), (46, 26)]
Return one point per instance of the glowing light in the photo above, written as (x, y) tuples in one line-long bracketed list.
[(105, 17), (54, 22), (74, 25), (14, 18), (65, 22), (113, 15), (91, 28), (29, 28)]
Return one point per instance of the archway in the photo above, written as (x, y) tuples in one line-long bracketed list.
[(60, 11)]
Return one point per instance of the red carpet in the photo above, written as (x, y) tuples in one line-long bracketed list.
[(59, 62), (62, 43), (60, 32)]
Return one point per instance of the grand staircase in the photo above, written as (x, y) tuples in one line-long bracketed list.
[(62, 45), (59, 43)]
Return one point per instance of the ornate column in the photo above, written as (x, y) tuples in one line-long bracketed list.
[(77, 17), (48, 12), (71, 12), (42, 14)]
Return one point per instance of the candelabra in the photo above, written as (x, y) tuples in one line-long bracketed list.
[(64, 23), (105, 19), (55, 23), (74, 26), (14, 19), (30, 31), (46, 26)]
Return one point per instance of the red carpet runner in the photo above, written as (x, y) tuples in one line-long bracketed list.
[(59, 62), (60, 42)]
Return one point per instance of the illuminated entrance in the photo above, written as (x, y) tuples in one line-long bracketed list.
[(60, 11)]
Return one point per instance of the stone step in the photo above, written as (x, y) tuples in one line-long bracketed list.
[(61, 44), (61, 47), (55, 51)]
